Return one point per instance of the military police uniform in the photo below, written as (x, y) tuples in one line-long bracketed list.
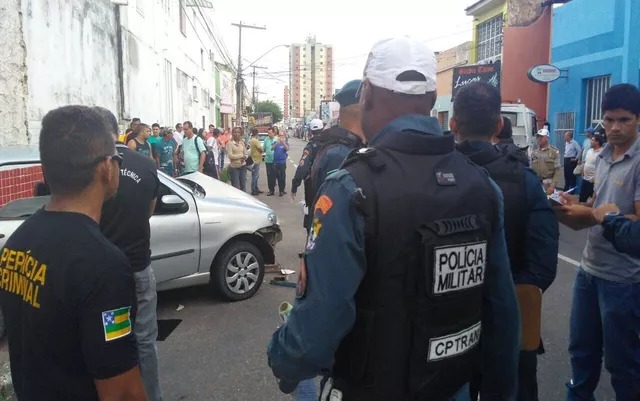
[(303, 170), (546, 163), (417, 261)]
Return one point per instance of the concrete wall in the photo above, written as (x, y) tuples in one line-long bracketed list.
[(164, 64), (71, 56), (609, 47), (13, 76), (518, 58)]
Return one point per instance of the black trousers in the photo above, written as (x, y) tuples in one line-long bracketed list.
[(569, 177), (586, 190), (271, 176), (281, 175)]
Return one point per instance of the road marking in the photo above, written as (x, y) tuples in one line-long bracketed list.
[(292, 162), (569, 260)]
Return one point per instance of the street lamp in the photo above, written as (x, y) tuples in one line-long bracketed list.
[(267, 52)]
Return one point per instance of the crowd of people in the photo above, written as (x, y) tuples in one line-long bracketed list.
[(407, 289)]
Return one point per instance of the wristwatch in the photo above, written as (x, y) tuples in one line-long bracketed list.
[(610, 215)]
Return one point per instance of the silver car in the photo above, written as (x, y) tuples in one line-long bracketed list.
[(202, 231)]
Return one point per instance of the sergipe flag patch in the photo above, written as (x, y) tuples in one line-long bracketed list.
[(116, 323)]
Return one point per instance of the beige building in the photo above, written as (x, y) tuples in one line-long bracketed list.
[(446, 61), (311, 76)]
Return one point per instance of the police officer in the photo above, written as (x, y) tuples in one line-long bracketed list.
[(545, 161), (392, 296), (304, 168), (335, 143), (504, 143), (531, 227), (70, 324)]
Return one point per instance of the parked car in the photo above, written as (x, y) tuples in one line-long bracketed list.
[(202, 231)]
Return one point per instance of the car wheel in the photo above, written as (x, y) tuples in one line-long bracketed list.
[(238, 272)]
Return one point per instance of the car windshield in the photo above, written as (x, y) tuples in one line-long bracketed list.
[(262, 136), (192, 187)]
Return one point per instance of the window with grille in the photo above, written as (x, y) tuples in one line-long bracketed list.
[(489, 37), (596, 87)]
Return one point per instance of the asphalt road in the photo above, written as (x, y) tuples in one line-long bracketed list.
[(217, 352)]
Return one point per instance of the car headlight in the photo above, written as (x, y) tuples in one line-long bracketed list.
[(273, 219)]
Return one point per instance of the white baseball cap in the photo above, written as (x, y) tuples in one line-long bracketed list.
[(543, 132), (391, 57), (316, 124)]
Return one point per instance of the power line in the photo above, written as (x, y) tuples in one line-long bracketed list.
[(221, 48)]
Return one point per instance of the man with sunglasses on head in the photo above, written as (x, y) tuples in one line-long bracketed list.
[(68, 293), (125, 222)]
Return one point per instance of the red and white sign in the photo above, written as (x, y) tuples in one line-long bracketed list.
[(544, 73)]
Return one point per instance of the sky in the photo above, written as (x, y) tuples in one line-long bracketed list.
[(351, 26)]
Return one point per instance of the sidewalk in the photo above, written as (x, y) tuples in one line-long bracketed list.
[(6, 388)]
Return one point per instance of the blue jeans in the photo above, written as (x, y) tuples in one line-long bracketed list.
[(146, 331), (222, 153), (238, 177), (605, 316), (255, 174)]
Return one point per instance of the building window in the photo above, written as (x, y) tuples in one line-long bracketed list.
[(178, 78), (140, 7), (202, 59), (489, 37), (443, 117), (565, 122), (183, 18), (596, 87), (195, 93)]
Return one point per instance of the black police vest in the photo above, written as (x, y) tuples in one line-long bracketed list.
[(508, 147), (335, 136), (507, 170), (309, 193), (429, 214)]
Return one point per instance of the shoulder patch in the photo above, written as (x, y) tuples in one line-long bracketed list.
[(323, 204), (116, 323)]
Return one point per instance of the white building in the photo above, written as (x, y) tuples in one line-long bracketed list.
[(311, 80), (152, 59)]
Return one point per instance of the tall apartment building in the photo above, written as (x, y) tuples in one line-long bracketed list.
[(286, 103), (311, 76)]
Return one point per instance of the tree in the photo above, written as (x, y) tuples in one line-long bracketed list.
[(269, 106)]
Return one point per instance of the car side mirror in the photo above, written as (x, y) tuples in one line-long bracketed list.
[(173, 202)]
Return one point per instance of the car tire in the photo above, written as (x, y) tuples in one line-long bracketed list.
[(238, 272)]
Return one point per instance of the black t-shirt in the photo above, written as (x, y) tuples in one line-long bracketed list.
[(125, 218), (68, 300)]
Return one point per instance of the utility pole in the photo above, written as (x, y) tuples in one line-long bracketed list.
[(239, 80), (253, 92), (256, 95)]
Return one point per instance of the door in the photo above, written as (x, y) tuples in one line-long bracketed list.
[(175, 234)]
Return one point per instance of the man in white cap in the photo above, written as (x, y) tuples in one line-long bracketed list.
[(402, 271), (545, 161)]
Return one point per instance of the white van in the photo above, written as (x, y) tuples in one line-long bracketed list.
[(523, 122)]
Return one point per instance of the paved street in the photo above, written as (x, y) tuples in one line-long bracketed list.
[(217, 352)]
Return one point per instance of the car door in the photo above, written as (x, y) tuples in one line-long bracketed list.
[(175, 234)]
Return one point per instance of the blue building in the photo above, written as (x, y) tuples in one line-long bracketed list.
[(596, 44)]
